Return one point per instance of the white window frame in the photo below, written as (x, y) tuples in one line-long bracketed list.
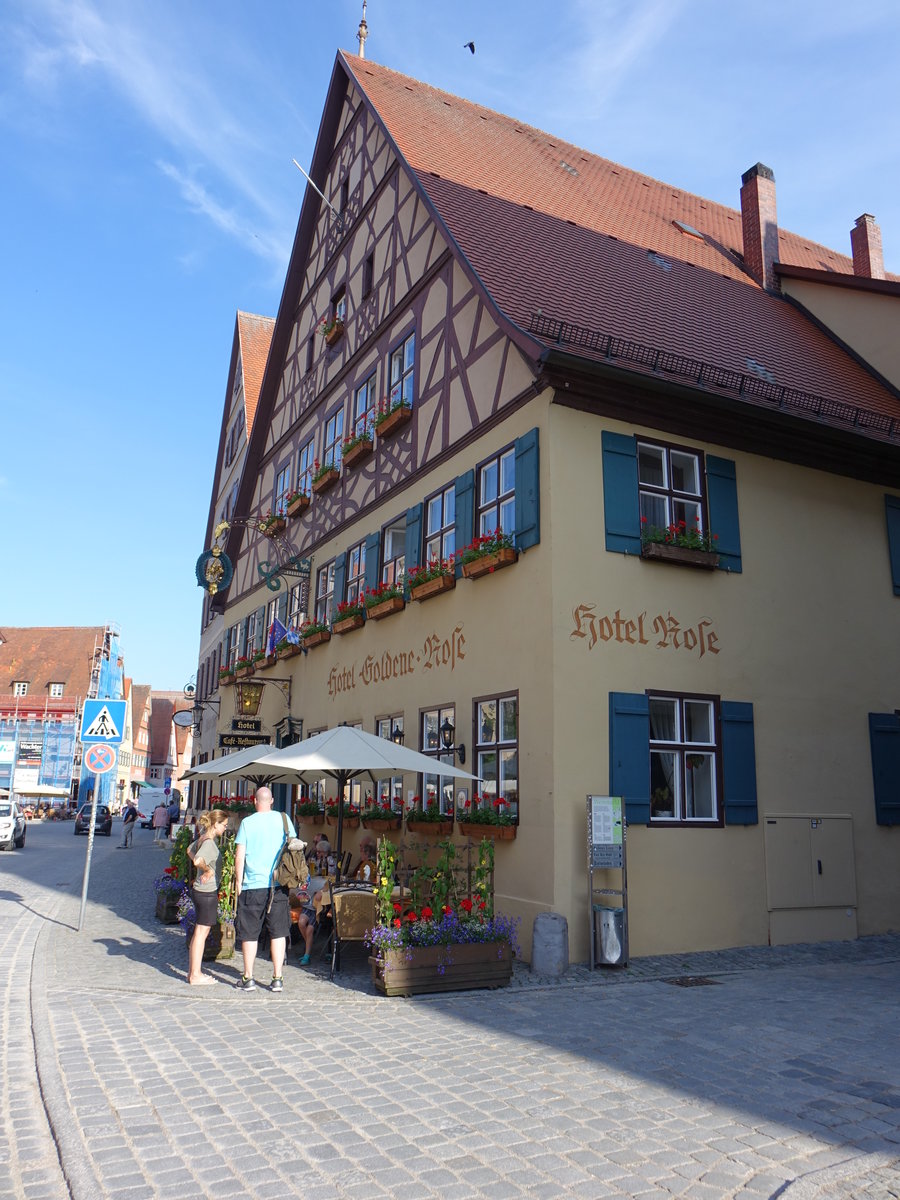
[(497, 494), (402, 372), (683, 749)]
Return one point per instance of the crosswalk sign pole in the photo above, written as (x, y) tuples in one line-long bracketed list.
[(90, 850)]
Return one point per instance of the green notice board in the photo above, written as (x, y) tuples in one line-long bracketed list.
[(605, 831)]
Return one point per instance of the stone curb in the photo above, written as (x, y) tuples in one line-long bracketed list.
[(818, 1185)]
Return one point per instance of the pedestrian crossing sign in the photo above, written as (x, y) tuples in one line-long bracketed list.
[(103, 721)]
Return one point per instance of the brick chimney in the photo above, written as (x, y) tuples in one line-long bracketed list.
[(760, 225), (865, 238)]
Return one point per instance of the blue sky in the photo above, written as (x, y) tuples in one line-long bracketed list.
[(149, 192)]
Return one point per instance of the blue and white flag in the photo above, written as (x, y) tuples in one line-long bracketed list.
[(277, 633)]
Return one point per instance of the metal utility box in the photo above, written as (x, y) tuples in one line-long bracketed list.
[(810, 877), (609, 936)]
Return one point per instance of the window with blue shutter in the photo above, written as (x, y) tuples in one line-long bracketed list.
[(629, 754), (373, 561), (721, 495), (465, 513), (892, 510), (413, 548), (884, 738), (620, 493), (528, 496), (738, 763), (340, 581)]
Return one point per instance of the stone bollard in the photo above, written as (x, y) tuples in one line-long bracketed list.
[(550, 944)]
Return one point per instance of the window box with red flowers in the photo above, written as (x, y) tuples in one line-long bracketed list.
[(428, 819), (308, 812), (437, 576), (679, 543), (483, 817), (314, 633), (287, 649), (324, 477), (226, 677), (351, 814), (391, 417), (380, 817), (487, 554), (273, 523), (350, 615), (357, 447), (332, 329), (296, 503), (261, 660), (384, 600), (243, 668)]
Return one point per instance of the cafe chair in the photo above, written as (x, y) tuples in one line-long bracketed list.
[(353, 915)]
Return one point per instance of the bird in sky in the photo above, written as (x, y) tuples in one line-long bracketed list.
[(469, 46)]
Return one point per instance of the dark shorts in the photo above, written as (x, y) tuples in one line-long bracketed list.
[(252, 917), (206, 907)]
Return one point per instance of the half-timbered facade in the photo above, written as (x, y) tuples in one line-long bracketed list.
[(483, 327)]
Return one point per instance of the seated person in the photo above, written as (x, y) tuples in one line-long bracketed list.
[(324, 858), (366, 870), (305, 912), (311, 850)]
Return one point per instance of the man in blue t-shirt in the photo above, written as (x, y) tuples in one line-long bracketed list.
[(260, 904)]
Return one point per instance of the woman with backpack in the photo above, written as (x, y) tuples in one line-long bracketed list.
[(204, 854)]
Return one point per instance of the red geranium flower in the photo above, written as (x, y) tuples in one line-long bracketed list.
[(446, 910), (411, 916), (427, 914), (466, 905), (397, 922), (396, 906)]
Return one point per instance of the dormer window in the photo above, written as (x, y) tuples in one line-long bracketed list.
[(56, 690), (20, 688)]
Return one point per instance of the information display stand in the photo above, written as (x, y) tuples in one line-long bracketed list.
[(606, 852)]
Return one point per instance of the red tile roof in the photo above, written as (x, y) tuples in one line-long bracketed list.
[(255, 335), (550, 228), (44, 655)]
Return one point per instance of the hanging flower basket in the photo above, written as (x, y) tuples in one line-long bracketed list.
[(348, 624), (326, 480), (393, 421), (488, 563), (298, 505), (356, 454), (432, 587), (478, 830)]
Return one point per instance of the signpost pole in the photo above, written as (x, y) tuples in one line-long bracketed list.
[(102, 723), (90, 849)]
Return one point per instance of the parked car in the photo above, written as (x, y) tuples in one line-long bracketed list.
[(102, 822), (12, 826)]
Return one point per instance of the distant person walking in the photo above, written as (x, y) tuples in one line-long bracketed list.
[(174, 812), (204, 854), (261, 903), (160, 824), (129, 820)]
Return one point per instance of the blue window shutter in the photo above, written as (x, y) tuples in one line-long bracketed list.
[(721, 492), (261, 630), (242, 643), (528, 496), (281, 612), (738, 763), (629, 754), (413, 547), (884, 736), (340, 583), (621, 504), (465, 512), (373, 560), (892, 508)]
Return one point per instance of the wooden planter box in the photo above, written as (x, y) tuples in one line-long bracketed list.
[(298, 506), (275, 526), (349, 822), (359, 452), (267, 660), (244, 672), (289, 650), (706, 560), (167, 907), (421, 969), (381, 824), (313, 819), (434, 587), (348, 624), (324, 482), (316, 639), (334, 334), (398, 418), (226, 681), (488, 563), (377, 612), (476, 830), (430, 828), (219, 943)]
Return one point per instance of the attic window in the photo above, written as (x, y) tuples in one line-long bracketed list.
[(20, 688), (565, 166), (56, 690), (757, 368), (688, 229), (659, 260)]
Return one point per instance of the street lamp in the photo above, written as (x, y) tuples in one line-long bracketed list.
[(397, 735), (249, 696), (447, 731)]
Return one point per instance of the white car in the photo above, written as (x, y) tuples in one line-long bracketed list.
[(12, 826)]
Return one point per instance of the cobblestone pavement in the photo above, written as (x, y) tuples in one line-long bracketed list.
[(778, 1077)]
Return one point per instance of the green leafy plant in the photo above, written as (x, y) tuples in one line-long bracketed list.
[(487, 543), (431, 811), (320, 470), (349, 608), (179, 862), (384, 591), (362, 434), (387, 409), (433, 569), (485, 810), (307, 808), (308, 628), (688, 537)]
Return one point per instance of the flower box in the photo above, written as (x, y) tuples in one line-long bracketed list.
[(326, 480), (298, 506), (312, 819), (349, 822), (335, 333), (167, 906), (489, 563), (219, 944), (454, 968), (317, 638), (358, 452), (289, 650), (393, 604), (397, 419), (244, 672), (706, 560), (348, 624), (381, 824), (430, 828), (433, 587), (274, 526), (226, 680), (480, 829), (267, 660)]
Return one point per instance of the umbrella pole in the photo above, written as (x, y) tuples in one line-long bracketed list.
[(341, 777)]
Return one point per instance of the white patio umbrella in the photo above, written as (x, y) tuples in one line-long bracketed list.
[(237, 763), (343, 754)]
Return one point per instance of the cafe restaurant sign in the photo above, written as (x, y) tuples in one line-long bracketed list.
[(436, 653)]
